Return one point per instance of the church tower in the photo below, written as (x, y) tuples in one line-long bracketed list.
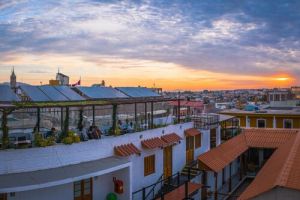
[(13, 80)]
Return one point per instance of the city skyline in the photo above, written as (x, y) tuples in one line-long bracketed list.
[(180, 45)]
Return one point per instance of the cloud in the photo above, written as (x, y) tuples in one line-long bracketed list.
[(247, 38)]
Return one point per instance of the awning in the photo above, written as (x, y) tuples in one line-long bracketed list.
[(32, 180), (126, 150), (171, 138), (192, 132), (153, 143)]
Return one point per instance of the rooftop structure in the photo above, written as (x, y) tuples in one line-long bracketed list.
[(281, 170)]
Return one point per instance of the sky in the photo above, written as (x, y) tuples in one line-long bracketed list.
[(176, 45)]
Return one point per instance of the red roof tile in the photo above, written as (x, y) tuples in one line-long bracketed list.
[(221, 156), (171, 138), (126, 150), (282, 169), (153, 143), (267, 138), (191, 132)]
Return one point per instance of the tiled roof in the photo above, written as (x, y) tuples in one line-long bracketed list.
[(191, 132), (153, 143), (267, 138), (221, 156), (281, 170), (171, 138), (126, 150), (179, 193)]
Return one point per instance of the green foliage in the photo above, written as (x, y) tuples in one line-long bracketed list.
[(39, 141), (71, 138), (68, 140), (116, 133)]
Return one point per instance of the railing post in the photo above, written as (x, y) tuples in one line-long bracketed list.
[(144, 193), (186, 190), (189, 173)]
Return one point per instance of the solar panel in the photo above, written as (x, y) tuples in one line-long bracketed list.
[(101, 92), (34, 93), (69, 93), (138, 92), (52, 93), (7, 95)]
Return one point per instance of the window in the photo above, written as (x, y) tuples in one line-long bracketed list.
[(213, 138), (83, 189), (198, 141), (261, 123), (287, 123), (149, 165)]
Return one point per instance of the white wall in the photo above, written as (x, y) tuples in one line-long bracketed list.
[(22, 160), (104, 184), (61, 192)]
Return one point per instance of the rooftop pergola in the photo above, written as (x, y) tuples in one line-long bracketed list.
[(63, 97)]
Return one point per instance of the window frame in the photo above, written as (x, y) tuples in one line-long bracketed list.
[(265, 121), (149, 165), (284, 120)]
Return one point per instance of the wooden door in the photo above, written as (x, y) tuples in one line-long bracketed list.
[(190, 146), (168, 157), (83, 190)]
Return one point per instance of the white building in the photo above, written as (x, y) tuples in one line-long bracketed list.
[(62, 79), (86, 170)]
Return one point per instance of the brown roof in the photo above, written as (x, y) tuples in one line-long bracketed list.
[(268, 138), (191, 132), (153, 143), (221, 156), (171, 138), (126, 150), (281, 170)]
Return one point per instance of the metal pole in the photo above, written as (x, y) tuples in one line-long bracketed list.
[(114, 118), (146, 113), (62, 119), (38, 122), (152, 115), (144, 194), (135, 115), (93, 108), (178, 108)]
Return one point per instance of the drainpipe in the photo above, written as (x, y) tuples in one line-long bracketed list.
[(274, 122)]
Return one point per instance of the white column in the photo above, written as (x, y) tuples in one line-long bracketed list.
[(247, 122), (274, 122), (218, 136)]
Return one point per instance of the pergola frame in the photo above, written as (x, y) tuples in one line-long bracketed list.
[(9, 107)]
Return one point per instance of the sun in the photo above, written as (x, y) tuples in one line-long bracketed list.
[(282, 79)]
